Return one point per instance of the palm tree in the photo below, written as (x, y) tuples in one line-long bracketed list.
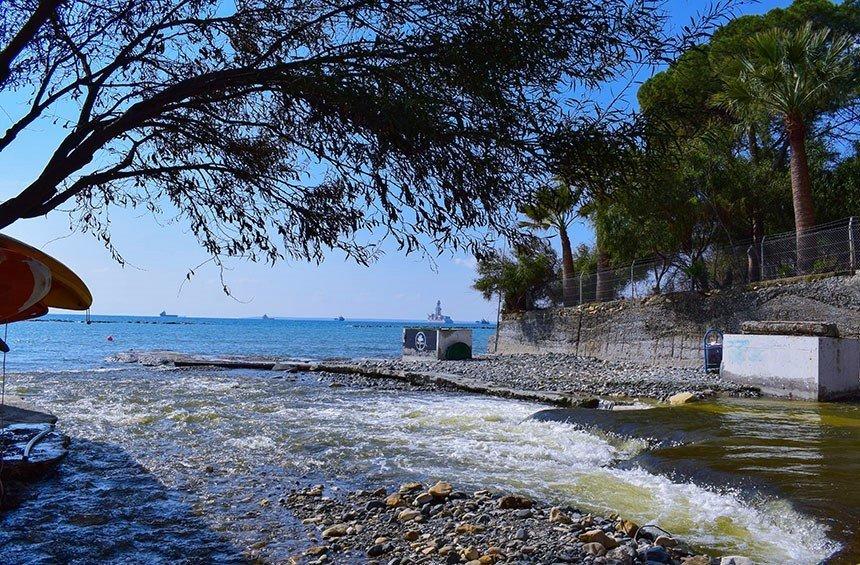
[(794, 76), (553, 209)]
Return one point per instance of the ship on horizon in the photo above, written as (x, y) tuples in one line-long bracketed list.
[(164, 314), (437, 317)]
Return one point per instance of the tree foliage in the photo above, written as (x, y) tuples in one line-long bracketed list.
[(526, 280), (287, 128)]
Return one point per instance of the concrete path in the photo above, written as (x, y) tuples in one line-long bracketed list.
[(16, 411)]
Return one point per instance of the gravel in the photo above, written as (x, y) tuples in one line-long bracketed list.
[(572, 374), (414, 524)]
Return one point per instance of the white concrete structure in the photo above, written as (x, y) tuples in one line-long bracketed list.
[(801, 367)]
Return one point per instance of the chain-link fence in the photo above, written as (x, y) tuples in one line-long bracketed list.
[(828, 248)]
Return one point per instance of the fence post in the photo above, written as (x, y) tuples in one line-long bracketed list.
[(761, 270), (852, 256), (632, 286), (580, 285)]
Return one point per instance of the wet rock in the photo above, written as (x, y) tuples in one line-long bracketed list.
[(373, 505), (377, 550), (470, 554), (628, 528), (316, 490), (589, 403), (598, 536), (665, 541), (441, 490), (558, 516), (423, 498), (336, 531), (682, 398), (513, 501), (467, 529), (623, 555), (316, 550), (408, 515), (656, 554), (409, 487), (394, 500), (736, 560), (594, 548), (696, 560)]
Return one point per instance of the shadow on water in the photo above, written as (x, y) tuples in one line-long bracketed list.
[(102, 506), (803, 451)]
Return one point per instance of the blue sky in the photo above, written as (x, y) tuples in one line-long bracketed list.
[(159, 256)]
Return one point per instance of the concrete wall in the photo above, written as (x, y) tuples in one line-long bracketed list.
[(667, 330), (801, 367)]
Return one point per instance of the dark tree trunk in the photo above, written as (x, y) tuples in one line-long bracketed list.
[(568, 282), (801, 193)]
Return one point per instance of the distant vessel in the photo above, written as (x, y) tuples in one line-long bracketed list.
[(340, 318), (484, 321), (437, 317), (164, 314), (265, 316)]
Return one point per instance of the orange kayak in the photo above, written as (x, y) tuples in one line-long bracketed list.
[(32, 281)]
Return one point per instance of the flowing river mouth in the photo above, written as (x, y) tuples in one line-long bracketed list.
[(164, 462)]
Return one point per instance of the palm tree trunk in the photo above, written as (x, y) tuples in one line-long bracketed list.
[(801, 193), (568, 286)]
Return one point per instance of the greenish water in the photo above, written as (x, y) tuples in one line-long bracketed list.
[(805, 453)]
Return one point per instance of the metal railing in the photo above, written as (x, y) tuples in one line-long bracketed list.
[(828, 248)]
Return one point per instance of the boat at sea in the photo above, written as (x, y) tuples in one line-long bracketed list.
[(164, 314), (340, 319), (437, 317)]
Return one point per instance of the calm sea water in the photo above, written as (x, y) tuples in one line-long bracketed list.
[(171, 464), (67, 343)]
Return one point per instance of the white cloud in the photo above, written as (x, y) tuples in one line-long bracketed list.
[(468, 262)]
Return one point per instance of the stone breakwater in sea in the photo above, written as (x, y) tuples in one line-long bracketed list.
[(572, 374), (555, 378), (417, 524)]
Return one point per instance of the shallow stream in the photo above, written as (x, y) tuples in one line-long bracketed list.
[(171, 464)]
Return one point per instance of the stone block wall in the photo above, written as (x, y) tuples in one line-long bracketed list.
[(668, 329)]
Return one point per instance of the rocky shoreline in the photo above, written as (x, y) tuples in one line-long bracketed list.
[(414, 523), (572, 375), (554, 378)]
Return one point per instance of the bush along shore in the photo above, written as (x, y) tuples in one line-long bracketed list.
[(416, 524)]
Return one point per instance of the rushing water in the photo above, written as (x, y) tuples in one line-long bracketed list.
[(169, 463)]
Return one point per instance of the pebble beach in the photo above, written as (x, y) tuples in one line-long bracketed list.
[(414, 523)]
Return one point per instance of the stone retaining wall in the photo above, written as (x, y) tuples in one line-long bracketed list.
[(667, 329)]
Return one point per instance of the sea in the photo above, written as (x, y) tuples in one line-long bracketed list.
[(171, 465)]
